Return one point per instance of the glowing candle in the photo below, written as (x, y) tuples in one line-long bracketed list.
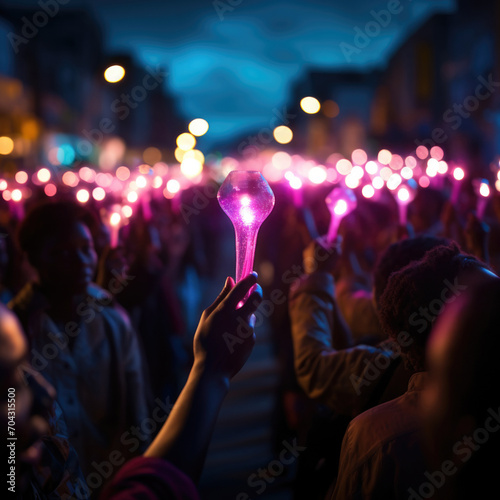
[(247, 199), (340, 202)]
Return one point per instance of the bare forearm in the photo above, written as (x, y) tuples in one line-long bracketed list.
[(186, 434)]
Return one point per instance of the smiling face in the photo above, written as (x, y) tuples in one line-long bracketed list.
[(67, 260)]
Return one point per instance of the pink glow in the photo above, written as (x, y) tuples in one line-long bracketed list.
[(437, 153), (340, 202), (98, 194), (21, 177), (50, 189), (70, 179), (422, 152), (368, 191), (458, 173), (247, 199), (82, 196), (359, 157)]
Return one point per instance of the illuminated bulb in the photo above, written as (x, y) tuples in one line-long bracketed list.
[(115, 219), (295, 183), (458, 173), (141, 181), (371, 168), (310, 105), (394, 181), (198, 127), (157, 182), (422, 152), (132, 197), (98, 194), (384, 157), (190, 167), (82, 195), (484, 190), (437, 153), (351, 181), (368, 191), (173, 186), (43, 175), (343, 166), (406, 173), (114, 73), (186, 141), (283, 134), (359, 157), (122, 173), (246, 217), (50, 189), (340, 202), (21, 177), (378, 182), (317, 175), (403, 194), (16, 195), (70, 179)]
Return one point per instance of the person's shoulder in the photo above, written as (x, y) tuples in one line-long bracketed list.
[(109, 306)]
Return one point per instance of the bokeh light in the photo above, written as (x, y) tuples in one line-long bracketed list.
[(310, 105), (6, 145), (185, 141), (283, 134), (114, 73), (198, 127)]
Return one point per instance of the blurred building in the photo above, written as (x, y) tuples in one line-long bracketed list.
[(439, 87), (342, 123), (56, 104)]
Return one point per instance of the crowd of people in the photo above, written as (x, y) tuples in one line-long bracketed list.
[(385, 346)]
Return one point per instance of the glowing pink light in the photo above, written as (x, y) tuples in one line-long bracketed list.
[(295, 183), (424, 181), (103, 180), (442, 167), (357, 172), (82, 195), (422, 152), (132, 197), (410, 161), (173, 186), (87, 174), (317, 174), (98, 194), (21, 177), (340, 202), (368, 191), (378, 182), (43, 175), (246, 217), (405, 194), (396, 162), (352, 181), (343, 166), (70, 179), (406, 173), (394, 181), (50, 189), (141, 181), (3, 184), (127, 211), (16, 195), (157, 182), (371, 167), (6, 195), (114, 221), (123, 173), (437, 153), (384, 156), (359, 157)]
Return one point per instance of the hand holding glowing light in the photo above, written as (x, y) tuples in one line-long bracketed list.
[(340, 202), (247, 199)]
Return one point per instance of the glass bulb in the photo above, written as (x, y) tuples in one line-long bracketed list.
[(247, 199)]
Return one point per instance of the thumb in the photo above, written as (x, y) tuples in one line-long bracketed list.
[(228, 285)]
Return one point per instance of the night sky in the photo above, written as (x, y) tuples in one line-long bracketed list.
[(233, 71)]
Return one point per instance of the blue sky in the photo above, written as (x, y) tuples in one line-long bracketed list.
[(235, 71)]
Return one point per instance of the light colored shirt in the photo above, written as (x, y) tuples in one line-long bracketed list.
[(381, 456), (346, 380), (99, 379)]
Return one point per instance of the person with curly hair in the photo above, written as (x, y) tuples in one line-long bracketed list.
[(382, 454)]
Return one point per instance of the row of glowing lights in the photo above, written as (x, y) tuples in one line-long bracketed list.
[(382, 173)]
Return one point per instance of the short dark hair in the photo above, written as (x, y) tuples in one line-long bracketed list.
[(399, 255), (415, 287), (49, 219)]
